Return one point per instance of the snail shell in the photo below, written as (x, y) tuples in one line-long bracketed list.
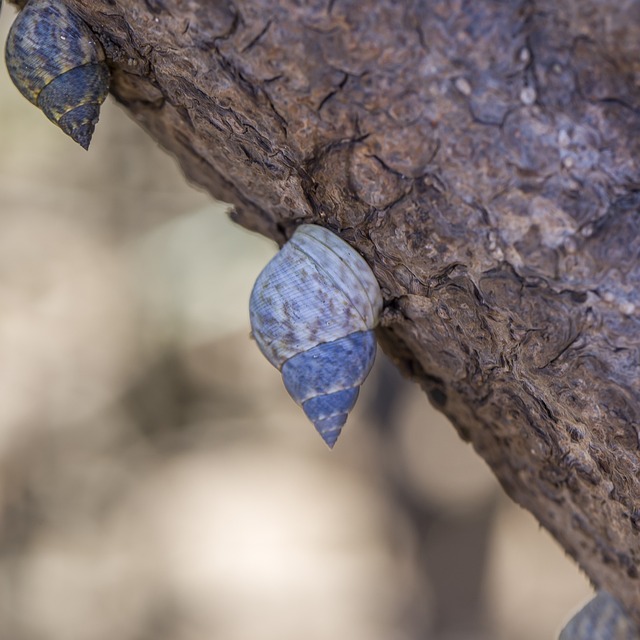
[(313, 309), (602, 618), (55, 61)]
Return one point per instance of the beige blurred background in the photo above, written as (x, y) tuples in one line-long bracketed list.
[(157, 483)]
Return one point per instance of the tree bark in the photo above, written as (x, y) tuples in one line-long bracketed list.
[(483, 157)]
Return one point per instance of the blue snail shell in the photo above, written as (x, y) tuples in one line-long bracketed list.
[(602, 618), (313, 310), (56, 63)]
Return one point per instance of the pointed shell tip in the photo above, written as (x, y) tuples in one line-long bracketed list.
[(330, 439)]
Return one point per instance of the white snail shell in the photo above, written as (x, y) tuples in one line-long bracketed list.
[(313, 309)]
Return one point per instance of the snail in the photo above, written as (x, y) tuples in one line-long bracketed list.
[(313, 309), (602, 618), (56, 62)]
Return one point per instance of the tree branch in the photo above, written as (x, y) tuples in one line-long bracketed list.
[(483, 158)]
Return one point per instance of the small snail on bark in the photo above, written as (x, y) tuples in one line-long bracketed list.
[(602, 618), (313, 309), (56, 62)]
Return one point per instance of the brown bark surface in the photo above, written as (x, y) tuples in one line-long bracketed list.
[(483, 157)]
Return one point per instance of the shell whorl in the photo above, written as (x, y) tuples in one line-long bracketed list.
[(56, 62), (602, 618), (313, 309)]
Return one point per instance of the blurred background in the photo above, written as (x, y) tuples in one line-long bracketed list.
[(156, 481)]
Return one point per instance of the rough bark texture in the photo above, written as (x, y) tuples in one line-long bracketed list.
[(483, 157)]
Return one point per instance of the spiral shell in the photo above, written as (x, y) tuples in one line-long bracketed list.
[(602, 618), (55, 61), (313, 309)]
